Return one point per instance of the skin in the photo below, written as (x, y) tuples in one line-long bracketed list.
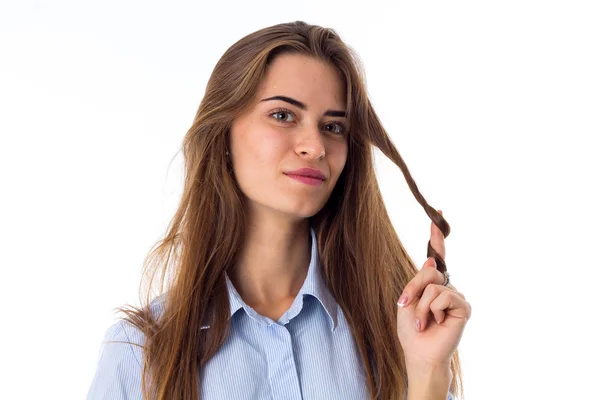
[(265, 143)]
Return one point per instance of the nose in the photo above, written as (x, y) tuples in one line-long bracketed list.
[(311, 144)]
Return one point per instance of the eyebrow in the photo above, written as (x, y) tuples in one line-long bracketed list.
[(299, 104)]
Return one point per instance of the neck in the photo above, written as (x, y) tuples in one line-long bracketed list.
[(273, 262)]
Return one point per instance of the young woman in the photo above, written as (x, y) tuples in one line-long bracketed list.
[(281, 266)]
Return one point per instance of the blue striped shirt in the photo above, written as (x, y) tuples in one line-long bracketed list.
[(309, 353)]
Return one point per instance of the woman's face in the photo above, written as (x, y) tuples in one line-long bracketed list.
[(275, 137)]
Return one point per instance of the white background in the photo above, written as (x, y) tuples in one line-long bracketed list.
[(494, 106)]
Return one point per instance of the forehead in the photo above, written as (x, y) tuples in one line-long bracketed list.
[(305, 78)]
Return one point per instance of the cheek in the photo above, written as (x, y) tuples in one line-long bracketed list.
[(271, 143), (338, 157), (266, 145), (258, 148)]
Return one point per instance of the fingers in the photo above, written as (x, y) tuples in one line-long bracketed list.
[(437, 239), (440, 300), (427, 275)]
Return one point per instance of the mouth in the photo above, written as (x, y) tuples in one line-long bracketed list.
[(306, 179)]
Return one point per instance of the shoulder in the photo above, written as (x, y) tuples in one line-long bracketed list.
[(125, 331), (118, 369), (123, 336), (119, 362), (126, 335)]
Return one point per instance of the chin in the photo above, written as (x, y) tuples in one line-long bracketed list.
[(305, 210), (294, 205)]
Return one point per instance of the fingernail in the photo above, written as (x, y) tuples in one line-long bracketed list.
[(417, 325), (434, 263), (403, 300)]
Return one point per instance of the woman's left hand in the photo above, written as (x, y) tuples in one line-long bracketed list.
[(431, 342)]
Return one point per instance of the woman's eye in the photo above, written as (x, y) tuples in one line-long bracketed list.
[(341, 129), (281, 113)]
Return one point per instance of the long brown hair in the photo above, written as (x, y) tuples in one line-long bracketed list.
[(364, 262)]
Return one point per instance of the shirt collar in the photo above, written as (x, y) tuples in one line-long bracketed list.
[(314, 285)]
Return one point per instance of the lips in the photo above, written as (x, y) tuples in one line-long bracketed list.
[(308, 172)]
